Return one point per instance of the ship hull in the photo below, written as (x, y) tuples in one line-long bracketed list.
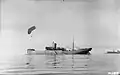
[(113, 52), (80, 51)]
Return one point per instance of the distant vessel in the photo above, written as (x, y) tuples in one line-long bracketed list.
[(114, 51), (30, 51), (34, 52), (62, 50)]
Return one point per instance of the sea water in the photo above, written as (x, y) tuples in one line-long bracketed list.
[(94, 64)]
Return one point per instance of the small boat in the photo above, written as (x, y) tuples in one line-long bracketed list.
[(30, 51), (113, 52), (61, 50), (34, 52)]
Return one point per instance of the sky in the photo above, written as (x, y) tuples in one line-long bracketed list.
[(92, 23)]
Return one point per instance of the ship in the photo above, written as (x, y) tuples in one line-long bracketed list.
[(62, 50), (113, 52), (32, 51)]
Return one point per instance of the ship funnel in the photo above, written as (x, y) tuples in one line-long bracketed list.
[(54, 45)]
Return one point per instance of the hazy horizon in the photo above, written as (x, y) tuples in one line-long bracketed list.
[(93, 23)]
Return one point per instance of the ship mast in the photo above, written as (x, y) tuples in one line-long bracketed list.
[(73, 53), (73, 43)]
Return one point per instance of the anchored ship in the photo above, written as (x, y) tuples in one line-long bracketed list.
[(59, 50), (113, 52)]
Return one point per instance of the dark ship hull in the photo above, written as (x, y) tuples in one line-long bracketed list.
[(80, 51), (113, 52), (64, 51)]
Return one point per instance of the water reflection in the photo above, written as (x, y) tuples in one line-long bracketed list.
[(68, 61), (28, 64), (95, 63), (54, 61), (59, 62)]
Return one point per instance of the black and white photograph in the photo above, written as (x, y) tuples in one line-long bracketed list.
[(59, 37)]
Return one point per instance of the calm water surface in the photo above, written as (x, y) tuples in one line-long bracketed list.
[(94, 64)]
